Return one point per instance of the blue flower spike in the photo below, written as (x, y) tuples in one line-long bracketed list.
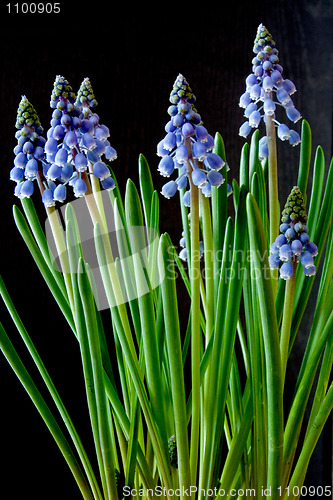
[(29, 150), (293, 243), (76, 141), (266, 90), (187, 147)]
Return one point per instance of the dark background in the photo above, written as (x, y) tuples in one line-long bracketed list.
[(132, 56)]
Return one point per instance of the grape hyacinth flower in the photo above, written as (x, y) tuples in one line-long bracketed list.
[(29, 150), (187, 147), (266, 89), (76, 142), (293, 243)]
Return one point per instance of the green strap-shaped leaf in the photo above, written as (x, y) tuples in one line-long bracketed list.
[(43, 267), (102, 409), (146, 187), (271, 344), (24, 377), (305, 158), (172, 330)]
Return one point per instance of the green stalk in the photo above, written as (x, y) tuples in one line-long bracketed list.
[(195, 330), (51, 388), (135, 226), (102, 409), (209, 265), (305, 158), (210, 303), (88, 380), (215, 361), (238, 444), (172, 331), (303, 390), (59, 239), (323, 380), (272, 348), (119, 316), (233, 281), (274, 211), (256, 349), (21, 372), (44, 269), (310, 442), (38, 233), (287, 319), (219, 199)]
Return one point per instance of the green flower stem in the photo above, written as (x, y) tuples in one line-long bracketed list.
[(120, 318), (215, 360), (256, 352), (302, 393), (124, 423), (172, 331), (209, 302), (102, 409), (219, 199), (21, 372), (287, 319), (305, 158), (44, 269), (323, 380), (310, 442), (209, 267), (272, 348), (238, 444), (226, 320), (195, 276), (59, 239), (98, 195), (37, 231), (52, 390), (274, 208), (135, 225)]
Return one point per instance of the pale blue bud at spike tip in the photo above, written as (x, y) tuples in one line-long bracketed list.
[(29, 150), (75, 140), (266, 87), (293, 244), (85, 95), (187, 146)]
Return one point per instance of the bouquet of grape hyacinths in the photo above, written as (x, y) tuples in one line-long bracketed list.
[(173, 411)]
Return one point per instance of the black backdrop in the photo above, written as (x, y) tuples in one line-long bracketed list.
[(132, 56)]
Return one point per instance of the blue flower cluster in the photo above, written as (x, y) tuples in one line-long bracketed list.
[(293, 243), (76, 142), (187, 147), (265, 89), (29, 150)]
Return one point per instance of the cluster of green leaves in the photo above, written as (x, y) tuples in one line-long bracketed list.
[(137, 390)]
